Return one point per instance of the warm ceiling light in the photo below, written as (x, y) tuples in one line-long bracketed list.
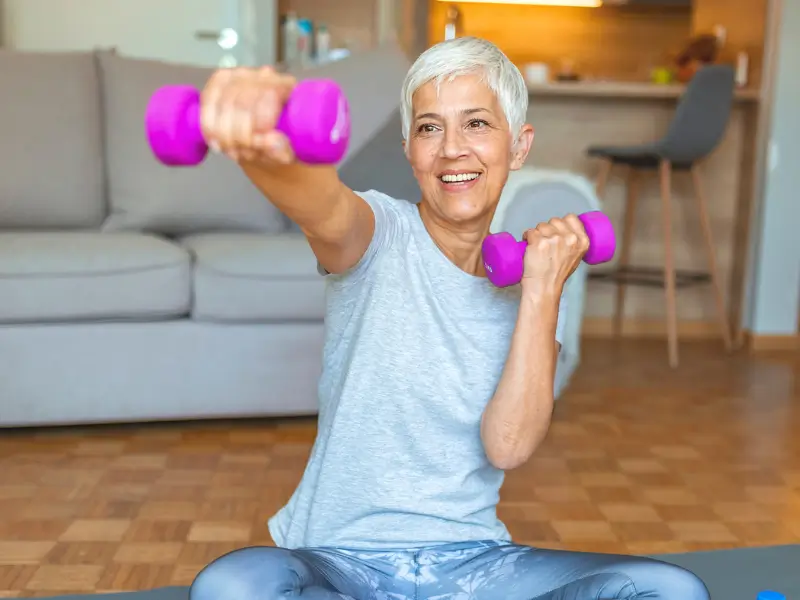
[(580, 3)]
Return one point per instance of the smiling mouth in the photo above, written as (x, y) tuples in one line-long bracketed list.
[(458, 177)]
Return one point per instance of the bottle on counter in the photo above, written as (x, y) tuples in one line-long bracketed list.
[(304, 39), (453, 25), (291, 35), (742, 69), (323, 44)]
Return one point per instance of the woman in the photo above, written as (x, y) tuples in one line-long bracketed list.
[(434, 381)]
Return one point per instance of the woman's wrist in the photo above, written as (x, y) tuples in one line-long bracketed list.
[(540, 293), (538, 311)]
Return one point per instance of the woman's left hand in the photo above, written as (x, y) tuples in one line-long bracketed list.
[(554, 251)]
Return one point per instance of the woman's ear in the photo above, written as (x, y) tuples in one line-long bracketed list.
[(519, 153), (405, 148)]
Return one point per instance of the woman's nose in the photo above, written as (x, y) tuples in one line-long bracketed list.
[(453, 144)]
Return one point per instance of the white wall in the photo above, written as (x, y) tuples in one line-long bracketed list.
[(775, 293), (160, 29)]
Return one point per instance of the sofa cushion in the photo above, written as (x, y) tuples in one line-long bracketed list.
[(250, 277), (146, 195), (61, 276), (51, 156)]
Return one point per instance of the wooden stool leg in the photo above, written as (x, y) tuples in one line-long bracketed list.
[(665, 173), (602, 177), (632, 195), (716, 283)]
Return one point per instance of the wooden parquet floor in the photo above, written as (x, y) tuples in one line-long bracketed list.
[(639, 459)]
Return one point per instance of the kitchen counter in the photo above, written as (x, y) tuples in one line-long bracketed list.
[(569, 117), (618, 89)]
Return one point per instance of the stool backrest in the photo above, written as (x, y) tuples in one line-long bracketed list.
[(701, 117)]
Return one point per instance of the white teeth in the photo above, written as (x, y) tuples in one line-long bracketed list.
[(460, 177)]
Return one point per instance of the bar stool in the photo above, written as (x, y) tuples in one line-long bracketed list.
[(697, 127)]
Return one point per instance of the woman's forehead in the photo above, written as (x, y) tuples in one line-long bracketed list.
[(460, 94)]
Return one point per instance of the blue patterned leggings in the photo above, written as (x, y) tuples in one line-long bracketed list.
[(462, 571)]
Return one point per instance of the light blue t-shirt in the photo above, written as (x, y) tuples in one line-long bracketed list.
[(414, 350)]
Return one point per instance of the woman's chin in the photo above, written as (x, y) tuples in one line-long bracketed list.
[(463, 212), (462, 207)]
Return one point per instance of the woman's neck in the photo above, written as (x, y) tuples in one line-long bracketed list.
[(460, 244)]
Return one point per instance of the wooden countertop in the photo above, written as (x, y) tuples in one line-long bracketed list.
[(610, 89)]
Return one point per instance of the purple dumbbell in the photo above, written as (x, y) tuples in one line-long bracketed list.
[(316, 119), (503, 255)]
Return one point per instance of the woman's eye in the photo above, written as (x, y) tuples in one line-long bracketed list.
[(426, 128), (477, 123)]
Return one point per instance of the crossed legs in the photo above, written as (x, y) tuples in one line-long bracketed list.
[(479, 571)]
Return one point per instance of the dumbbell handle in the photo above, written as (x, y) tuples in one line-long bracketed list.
[(504, 257), (315, 119)]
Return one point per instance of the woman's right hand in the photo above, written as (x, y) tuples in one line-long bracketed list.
[(240, 108)]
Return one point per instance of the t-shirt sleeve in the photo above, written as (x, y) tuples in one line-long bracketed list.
[(389, 216)]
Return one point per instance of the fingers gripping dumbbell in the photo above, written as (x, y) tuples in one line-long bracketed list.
[(315, 119), (503, 256)]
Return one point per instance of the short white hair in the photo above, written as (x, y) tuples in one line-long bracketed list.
[(466, 56)]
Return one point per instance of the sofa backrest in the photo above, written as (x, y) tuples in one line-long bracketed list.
[(381, 164), (143, 193), (73, 150), (51, 146), (215, 195)]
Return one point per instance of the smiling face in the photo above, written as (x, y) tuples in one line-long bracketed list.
[(461, 149)]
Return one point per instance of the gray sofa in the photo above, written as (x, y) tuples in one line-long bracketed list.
[(130, 291)]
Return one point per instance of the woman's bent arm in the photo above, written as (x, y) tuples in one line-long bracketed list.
[(517, 418)]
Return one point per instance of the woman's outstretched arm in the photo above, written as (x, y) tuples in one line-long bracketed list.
[(239, 111)]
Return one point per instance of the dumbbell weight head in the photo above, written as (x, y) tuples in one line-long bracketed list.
[(315, 119), (503, 255), (602, 240), (503, 258), (172, 126)]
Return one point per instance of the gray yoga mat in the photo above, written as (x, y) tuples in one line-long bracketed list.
[(729, 574)]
